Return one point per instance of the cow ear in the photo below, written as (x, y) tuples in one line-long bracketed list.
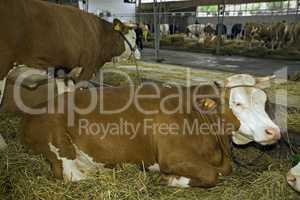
[(207, 104), (118, 25), (264, 82)]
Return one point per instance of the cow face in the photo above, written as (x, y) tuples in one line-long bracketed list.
[(247, 103), (130, 44), (293, 177)]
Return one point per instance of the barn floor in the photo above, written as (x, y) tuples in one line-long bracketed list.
[(234, 64), (24, 176)]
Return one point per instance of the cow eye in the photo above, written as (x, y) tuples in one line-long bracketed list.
[(238, 104)]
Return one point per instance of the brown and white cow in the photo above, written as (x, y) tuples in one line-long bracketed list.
[(186, 157), (45, 35)]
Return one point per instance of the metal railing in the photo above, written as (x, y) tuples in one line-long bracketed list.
[(241, 13)]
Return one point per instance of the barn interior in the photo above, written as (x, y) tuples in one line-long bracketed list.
[(171, 50)]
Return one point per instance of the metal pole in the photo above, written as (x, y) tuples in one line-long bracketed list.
[(139, 11), (220, 25), (156, 30)]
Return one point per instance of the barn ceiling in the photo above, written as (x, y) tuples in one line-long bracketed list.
[(192, 4)]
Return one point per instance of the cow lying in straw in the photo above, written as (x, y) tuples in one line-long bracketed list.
[(182, 132), (46, 35)]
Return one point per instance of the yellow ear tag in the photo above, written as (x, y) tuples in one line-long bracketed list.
[(208, 104), (117, 27)]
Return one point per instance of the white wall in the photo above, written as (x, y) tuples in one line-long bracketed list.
[(118, 9)]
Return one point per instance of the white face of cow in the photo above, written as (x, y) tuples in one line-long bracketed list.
[(293, 178), (248, 105), (131, 38)]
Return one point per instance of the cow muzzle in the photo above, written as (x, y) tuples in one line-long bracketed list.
[(273, 134), (293, 178)]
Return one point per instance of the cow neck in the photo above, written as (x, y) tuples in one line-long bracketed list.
[(110, 41), (222, 138), (224, 141)]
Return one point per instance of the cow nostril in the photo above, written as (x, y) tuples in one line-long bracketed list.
[(273, 133), (269, 132)]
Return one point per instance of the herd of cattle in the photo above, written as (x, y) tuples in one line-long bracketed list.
[(275, 35), (57, 36)]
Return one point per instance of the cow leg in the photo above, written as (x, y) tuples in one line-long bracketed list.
[(196, 174), (225, 169), (56, 165)]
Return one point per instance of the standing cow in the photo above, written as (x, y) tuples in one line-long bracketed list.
[(293, 35), (186, 157), (46, 35), (236, 31), (164, 30)]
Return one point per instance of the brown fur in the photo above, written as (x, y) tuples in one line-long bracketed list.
[(198, 157), (43, 35)]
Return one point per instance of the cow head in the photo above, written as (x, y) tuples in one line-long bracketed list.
[(247, 102), (129, 40), (293, 177)]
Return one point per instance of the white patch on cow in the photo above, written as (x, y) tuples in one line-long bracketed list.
[(164, 29), (78, 169), (293, 178), (248, 105), (154, 168), (196, 29), (182, 182), (3, 144), (131, 37), (63, 88)]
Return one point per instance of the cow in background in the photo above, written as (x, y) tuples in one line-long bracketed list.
[(223, 30), (293, 35), (237, 31), (195, 30), (164, 30), (209, 29)]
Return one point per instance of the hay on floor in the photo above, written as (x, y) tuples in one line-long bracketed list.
[(27, 176)]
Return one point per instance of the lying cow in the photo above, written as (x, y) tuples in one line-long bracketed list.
[(293, 177), (186, 157), (46, 35)]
